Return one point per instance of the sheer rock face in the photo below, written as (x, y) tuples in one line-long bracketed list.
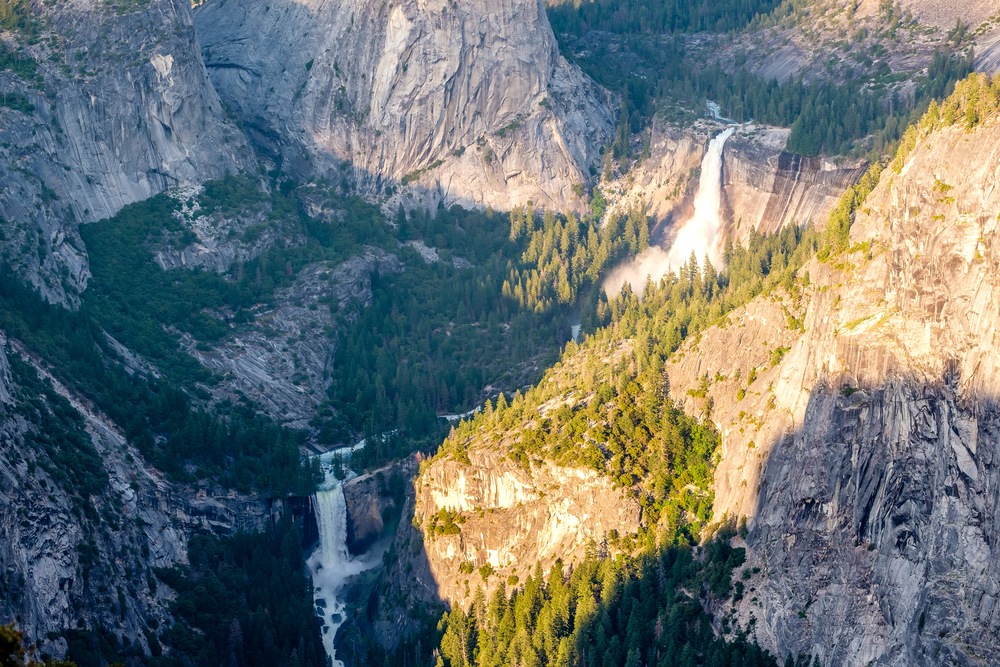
[(865, 459), (58, 559), (513, 518), (369, 498), (473, 92), (767, 188), (127, 111)]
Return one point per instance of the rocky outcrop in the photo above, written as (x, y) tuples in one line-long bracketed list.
[(121, 108), (283, 358), (464, 102), (495, 520), (767, 188), (764, 187), (489, 519), (223, 240), (374, 503), (864, 458), (664, 182)]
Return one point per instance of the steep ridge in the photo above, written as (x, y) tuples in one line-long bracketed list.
[(119, 108), (82, 561), (288, 373), (864, 457), (468, 101)]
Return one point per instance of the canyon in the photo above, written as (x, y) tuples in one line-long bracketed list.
[(857, 408)]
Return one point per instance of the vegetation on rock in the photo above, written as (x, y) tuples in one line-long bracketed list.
[(243, 600), (232, 444), (645, 610), (607, 405), (860, 111)]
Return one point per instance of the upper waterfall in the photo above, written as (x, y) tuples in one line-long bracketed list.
[(700, 234)]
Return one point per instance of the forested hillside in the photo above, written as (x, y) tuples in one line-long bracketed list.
[(243, 600), (437, 338), (608, 405), (849, 95), (609, 612), (673, 16)]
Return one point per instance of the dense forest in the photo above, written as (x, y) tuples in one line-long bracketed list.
[(56, 439), (137, 302), (643, 610), (437, 335), (620, 419), (643, 16), (854, 108), (490, 313), (647, 607), (860, 116), (233, 443)]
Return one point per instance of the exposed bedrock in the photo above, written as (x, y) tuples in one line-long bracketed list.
[(864, 451), (126, 111), (59, 559), (469, 101), (764, 187), (375, 503)]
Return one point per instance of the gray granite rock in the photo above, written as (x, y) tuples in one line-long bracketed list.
[(469, 101), (124, 110)]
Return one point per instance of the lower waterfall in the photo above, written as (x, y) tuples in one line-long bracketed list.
[(331, 564)]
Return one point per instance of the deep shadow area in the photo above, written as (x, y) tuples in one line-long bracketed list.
[(242, 600), (651, 609), (884, 507)]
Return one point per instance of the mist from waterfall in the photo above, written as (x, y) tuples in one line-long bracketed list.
[(700, 233), (331, 564)]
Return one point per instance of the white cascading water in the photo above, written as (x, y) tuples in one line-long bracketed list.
[(699, 234), (332, 564)]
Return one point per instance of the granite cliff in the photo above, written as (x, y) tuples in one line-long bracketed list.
[(113, 106), (460, 102), (764, 187), (481, 523), (497, 518), (863, 451), (72, 560)]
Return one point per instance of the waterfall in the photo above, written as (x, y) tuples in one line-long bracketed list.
[(700, 233), (331, 519), (331, 564)]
